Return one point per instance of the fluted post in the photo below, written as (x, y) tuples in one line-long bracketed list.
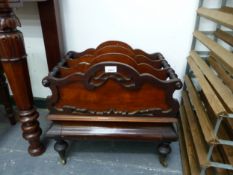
[(14, 62)]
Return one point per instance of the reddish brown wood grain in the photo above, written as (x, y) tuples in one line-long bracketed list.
[(74, 119), (105, 97), (13, 60), (129, 131), (89, 61), (87, 88), (133, 100), (51, 28)]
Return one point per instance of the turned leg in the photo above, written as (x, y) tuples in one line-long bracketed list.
[(61, 146), (164, 150), (5, 97), (14, 63)]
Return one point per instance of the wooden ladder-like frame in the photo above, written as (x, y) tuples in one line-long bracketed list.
[(206, 127)]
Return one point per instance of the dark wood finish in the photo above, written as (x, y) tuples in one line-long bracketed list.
[(164, 150), (51, 28), (141, 67), (13, 59), (60, 146), (135, 85), (133, 102), (131, 131), (135, 119), (5, 97)]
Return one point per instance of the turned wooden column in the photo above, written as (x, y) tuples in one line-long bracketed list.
[(14, 62)]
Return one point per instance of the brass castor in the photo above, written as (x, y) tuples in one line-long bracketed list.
[(61, 146), (164, 150)]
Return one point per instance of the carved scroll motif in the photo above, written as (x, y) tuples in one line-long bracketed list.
[(86, 80), (112, 112)]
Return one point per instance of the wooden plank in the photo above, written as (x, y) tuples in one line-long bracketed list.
[(226, 9), (223, 91), (224, 133), (183, 153), (217, 15), (226, 37), (59, 117), (85, 130), (217, 157), (193, 162), (223, 56), (227, 150), (229, 123), (221, 72), (205, 124), (199, 143), (212, 98)]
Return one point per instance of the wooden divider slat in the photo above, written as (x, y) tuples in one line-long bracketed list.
[(226, 37), (223, 91), (217, 15), (223, 56), (206, 126), (221, 72), (212, 98), (229, 123), (193, 162), (199, 143), (217, 157), (227, 9), (183, 152), (227, 151)]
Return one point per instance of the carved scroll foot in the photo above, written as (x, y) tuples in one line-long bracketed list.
[(61, 147), (32, 131), (164, 150)]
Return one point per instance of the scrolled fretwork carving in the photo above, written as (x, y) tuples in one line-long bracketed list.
[(101, 80), (95, 78), (112, 112), (136, 86)]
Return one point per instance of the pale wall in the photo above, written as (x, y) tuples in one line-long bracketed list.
[(152, 25), (34, 43)]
